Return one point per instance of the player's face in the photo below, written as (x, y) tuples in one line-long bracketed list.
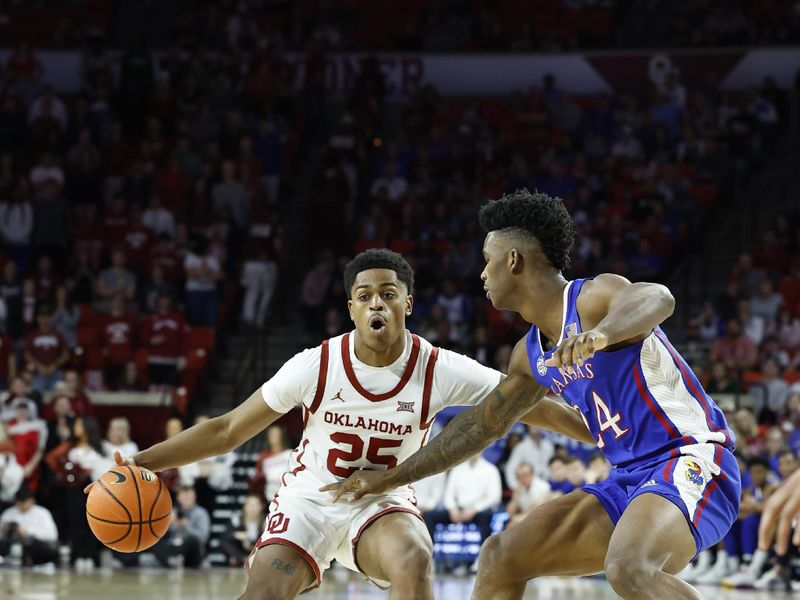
[(378, 305), (496, 276)]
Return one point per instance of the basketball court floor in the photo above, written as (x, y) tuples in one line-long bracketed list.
[(228, 584)]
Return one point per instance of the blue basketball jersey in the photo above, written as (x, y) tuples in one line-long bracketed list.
[(640, 402)]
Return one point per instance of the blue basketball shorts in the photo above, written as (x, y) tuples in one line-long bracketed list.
[(702, 480)]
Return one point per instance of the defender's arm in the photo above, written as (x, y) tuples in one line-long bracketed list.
[(557, 416), (617, 312)]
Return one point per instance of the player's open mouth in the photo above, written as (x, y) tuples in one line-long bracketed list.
[(377, 324)]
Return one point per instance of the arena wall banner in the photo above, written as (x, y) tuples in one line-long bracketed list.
[(500, 74)]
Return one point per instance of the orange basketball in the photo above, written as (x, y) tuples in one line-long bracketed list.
[(129, 509)]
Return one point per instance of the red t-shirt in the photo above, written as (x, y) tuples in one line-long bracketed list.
[(45, 348), (117, 336), (137, 246), (165, 336), (27, 437)]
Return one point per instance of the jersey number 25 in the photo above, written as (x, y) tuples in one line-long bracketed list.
[(356, 452)]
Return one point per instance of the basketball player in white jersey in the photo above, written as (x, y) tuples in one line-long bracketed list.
[(368, 399)]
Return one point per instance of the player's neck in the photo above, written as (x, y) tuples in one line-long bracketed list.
[(378, 357), (543, 304)]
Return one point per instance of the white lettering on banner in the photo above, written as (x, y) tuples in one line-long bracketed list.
[(45, 341), (488, 74), (404, 75)]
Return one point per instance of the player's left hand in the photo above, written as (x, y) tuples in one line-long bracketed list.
[(359, 484), (577, 349), (780, 512)]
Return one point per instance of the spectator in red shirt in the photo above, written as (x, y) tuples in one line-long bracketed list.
[(73, 387), (116, 222), (47, 351), (8, 360), (735, 349), (28, 434), (164, 255), (164, 335), (46, 280), (118, 341), (137, 240)]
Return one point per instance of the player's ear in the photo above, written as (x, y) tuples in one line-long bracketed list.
[(514, 261), (409, 305), (350, 309)]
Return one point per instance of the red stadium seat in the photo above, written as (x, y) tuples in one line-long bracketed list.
[(202, 337), (751, 377), (791, 376)]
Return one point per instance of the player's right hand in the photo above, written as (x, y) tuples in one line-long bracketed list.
[(780, 512), (121, 462), (359, 484)]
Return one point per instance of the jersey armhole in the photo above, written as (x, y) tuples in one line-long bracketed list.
[(428, 388), (321, 378)]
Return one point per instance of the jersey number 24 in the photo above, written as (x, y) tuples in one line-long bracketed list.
[(605, 420)]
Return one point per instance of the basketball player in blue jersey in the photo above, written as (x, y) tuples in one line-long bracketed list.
[(674, 488)]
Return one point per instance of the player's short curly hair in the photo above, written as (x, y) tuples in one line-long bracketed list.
[(379, 258), (533, 215)]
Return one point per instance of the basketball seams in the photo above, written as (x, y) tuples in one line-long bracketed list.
[(110, 522), (125, 508), (152, 508), (139, 501)]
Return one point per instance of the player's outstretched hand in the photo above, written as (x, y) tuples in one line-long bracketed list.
[(359, 484), (577, 349), (780, 511), (121, 462)]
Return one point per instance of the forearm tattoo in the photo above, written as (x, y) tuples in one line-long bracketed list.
[(284, 567), (467, 434)]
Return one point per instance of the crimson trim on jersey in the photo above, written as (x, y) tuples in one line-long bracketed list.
[(308, 558), (351, 375), (370, 521), (323, 375), (426, 390), (301, 449)]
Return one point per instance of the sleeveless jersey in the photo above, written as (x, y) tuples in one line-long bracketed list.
[(640, 402), (350, 425)]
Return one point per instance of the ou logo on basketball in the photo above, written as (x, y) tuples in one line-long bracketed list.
[(278, 523)]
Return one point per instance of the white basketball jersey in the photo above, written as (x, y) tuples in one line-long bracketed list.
[(351, 425)]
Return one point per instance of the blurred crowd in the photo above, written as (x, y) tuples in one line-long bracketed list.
[(145, 213), (136, 217), (410, 25)]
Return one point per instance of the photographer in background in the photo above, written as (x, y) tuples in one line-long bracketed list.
[(28, 532), (187, 535), (244, 530)]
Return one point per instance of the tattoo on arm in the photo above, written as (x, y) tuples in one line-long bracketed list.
[(285, 567), (469, 433)]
